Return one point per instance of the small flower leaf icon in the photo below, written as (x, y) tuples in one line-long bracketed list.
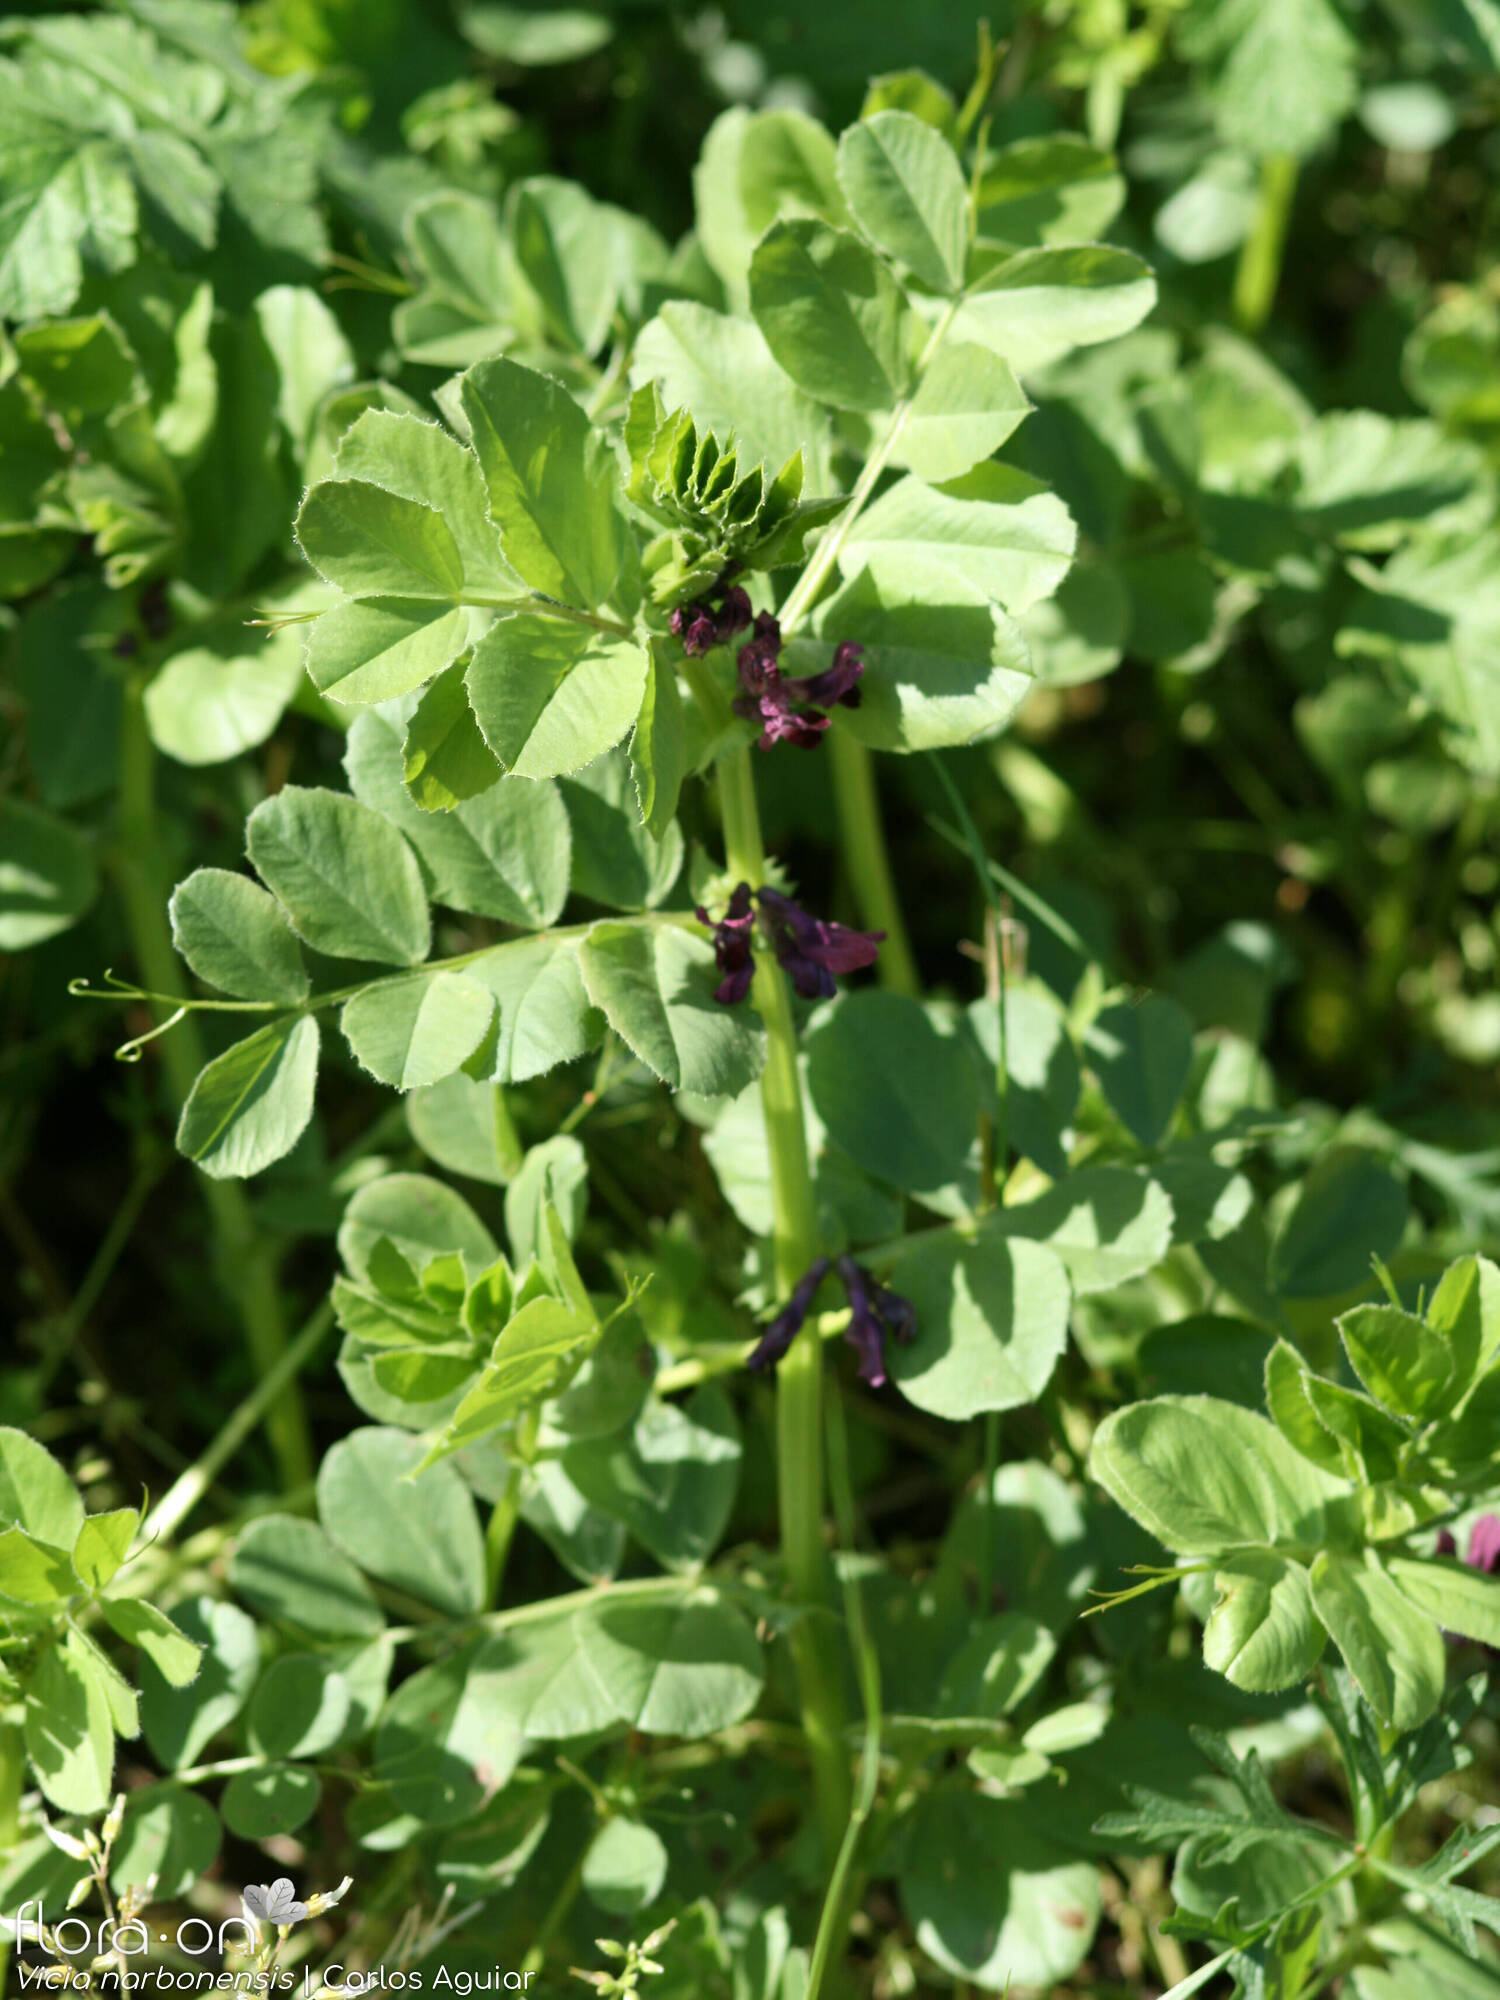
[(275, 1903)]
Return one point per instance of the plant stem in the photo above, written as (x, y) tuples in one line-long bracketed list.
[(862, 846), (799, 1377), (1259, 270), (184, 1494), (243, 1260), (844, 1885), (12, 1776)]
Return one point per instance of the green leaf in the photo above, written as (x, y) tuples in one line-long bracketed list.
[(1205, 1477), (421, 1535), (1262, 1634), (290, 1571), (348, 881), (69, 195), (617, 860), (447, 1739), (1142, 1054), (562, 241), (550, 697), (1038, 305), (673, 1669), (249, 1106), (1043, 1077), (658, 745), (103, 1544), (505, 854), (181, 1720), (418, 460), (175, 1656), (226, 692), (1106, 1224), (906, 191), (299, 1708), (1035, 1930), (654, 984), (1462, 1600), (235, 937), (445, 759), (69, 1730), (35, 1493), (625, 1867), (1001, 531), (312, 356), (1403, 1363), (754, 167), (47, 875), (720, 370), (992, 1322), (375, 648), (554, 1172), (276, 1799), (462, 1123), (1057, 189), (1393, 1650), (1294, 54), (409, 1032), (671, 1480), (1366, 479), (423, 1219), (832, 315), (1349, 1209), (524, 1364), (372, 543), (967, 404), (32, 1572), (169, 1837), (546, 1017), (896, 1093), (996, 1667), (942, 665), (552, 482)]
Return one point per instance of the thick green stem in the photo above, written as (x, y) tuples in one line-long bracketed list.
[(799, 1378), (1259, 270), (862, 846), (243, 1259), (12, 1777)]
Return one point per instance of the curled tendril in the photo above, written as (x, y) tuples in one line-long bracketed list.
[(130, 1052)]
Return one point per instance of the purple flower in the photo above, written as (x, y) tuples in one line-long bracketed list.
[(838, 683), (732, 946), (811, 950), (734, 612), (874, 1312), (696, 626), (787, 1324)]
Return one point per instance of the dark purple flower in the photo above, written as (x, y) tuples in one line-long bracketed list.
[(1446, 1546), (734, 613), (787, 1324), (732, 946), (899, 1315), (811, 950), (779, 721), (874, 1312), (696, 626), (838, 683)]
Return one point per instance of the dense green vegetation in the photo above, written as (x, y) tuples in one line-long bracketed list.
[(748, 1133)]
